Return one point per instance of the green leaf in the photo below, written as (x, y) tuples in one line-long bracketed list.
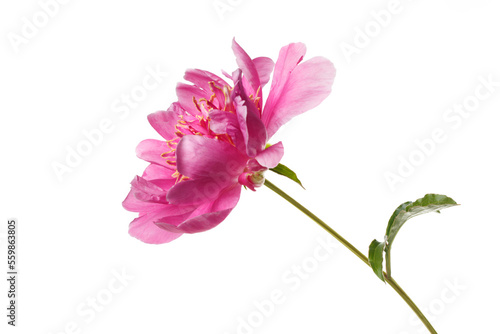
[(375, 257), (285, 171), (395, 214), (407, 210), (429, 203)]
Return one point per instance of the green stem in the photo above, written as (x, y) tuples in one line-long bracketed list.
[(410, 303), (388, 260), (356, 252)]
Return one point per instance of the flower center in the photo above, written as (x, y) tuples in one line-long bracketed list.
[(199, 125)]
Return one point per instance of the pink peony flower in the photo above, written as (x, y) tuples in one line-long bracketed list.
[(216, 141)]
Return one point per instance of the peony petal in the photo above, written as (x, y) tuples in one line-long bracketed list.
[(164, 184), (197, 224), (144, 229), (131, 203), (151, 151), (264, 67), (186, 94), (147, 195), (159, 176), (199, 156), (220, 120), (209, 215), (145, 186), (157, 172), (202, 79), (297, 91), (147, 191), (225, 122), (246, 64), (210, 84), (253, 130), (194, 192), (164, 121), (271, 156), (289, 57)]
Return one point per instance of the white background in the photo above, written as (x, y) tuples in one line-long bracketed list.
[(71, 74)]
